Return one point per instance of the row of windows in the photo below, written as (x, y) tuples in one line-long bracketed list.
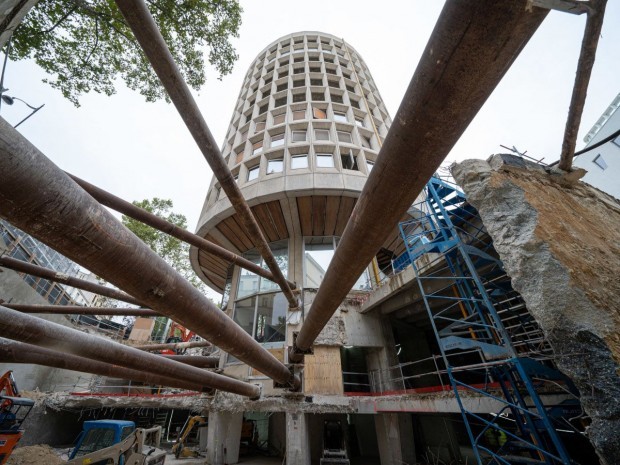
[(301, 135), (348, 161), (336, 114)]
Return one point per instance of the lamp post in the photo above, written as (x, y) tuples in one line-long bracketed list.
[(11, 100)]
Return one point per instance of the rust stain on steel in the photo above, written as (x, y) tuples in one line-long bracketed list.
[(19, 352), (51, 275), (129, 209), (146, 32), (39, 198), (32, 330), (594, 25), (77, 310), (195, 360), (174, 345), (471, 48)]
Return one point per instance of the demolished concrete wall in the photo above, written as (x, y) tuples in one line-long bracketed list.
[(560, 243)]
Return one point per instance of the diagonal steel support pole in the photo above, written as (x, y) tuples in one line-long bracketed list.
[(39, 198), (55, 276), (472, 46), (19, 352), (144, 28), (43, 333), (591, 35), (77, 310), (127, 208)]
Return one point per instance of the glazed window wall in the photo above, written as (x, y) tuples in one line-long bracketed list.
[(318, 254), (259, 308)]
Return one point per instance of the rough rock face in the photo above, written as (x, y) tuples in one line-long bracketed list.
[(560, 243)]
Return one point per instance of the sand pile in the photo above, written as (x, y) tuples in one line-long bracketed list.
[(34, 455)]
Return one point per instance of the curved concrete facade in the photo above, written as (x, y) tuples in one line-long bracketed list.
[(305, 131)]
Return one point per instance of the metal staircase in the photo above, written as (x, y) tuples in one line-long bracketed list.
[(490, 344)]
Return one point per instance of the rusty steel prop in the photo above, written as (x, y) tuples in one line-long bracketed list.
[(146, 32), (58, 277), (37, 331), (19, 352), (471, 48), (591, 35), (77, 310), (174, 345), (195, 360), (137, 213), (39, 198)]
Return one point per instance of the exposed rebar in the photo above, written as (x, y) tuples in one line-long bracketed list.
[(471, 48), (146, 32)]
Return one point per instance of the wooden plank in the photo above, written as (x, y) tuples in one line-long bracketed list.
[(331, 214), (323, 371), (318, 215), (346, 207), (277, 353), (264, 221), (235, 223), (275, 210), (304, 207), (225, 229)]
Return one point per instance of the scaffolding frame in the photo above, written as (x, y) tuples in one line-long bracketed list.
[(482, 328)]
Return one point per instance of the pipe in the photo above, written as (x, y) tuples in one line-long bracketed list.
[(174, 345), (77, 310), (146, 32), (594, 25), (18, 352), (39, 198), (58, 277), (472, 46), (43, 333), (129, 209), (195, 360)]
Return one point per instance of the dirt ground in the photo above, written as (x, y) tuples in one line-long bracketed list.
[(34, 455)]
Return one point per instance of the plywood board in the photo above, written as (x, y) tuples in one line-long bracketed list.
[(323, 371), (142, 329), (277, 353)]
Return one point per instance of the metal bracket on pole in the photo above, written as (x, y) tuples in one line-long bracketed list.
[(575, 7)]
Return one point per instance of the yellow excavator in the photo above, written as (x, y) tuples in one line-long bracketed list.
[(180, 450)]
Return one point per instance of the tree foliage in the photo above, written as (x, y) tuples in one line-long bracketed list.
[(171, 249), (86, 45)]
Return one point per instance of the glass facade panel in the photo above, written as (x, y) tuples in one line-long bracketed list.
[(318, 253), (271, 318), (244, 314)]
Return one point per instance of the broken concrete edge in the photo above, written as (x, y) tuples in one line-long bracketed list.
[(506, 190)]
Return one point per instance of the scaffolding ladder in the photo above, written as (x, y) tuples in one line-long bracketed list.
[(490, 344)]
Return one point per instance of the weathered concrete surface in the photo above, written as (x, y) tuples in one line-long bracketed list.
[(560, 243)]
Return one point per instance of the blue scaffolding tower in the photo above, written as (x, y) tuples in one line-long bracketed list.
[(490, 344)]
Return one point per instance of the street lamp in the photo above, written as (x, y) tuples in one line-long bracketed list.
[(11, 100)]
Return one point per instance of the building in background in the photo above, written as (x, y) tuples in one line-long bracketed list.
[(603, 162), (21, 246)]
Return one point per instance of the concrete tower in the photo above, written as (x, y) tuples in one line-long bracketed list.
[(305, 132)]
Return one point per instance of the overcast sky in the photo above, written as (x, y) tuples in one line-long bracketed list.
[(140, 150)]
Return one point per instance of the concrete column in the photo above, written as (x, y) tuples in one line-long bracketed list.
[(395, 438), (224, 438), (297, 439)]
